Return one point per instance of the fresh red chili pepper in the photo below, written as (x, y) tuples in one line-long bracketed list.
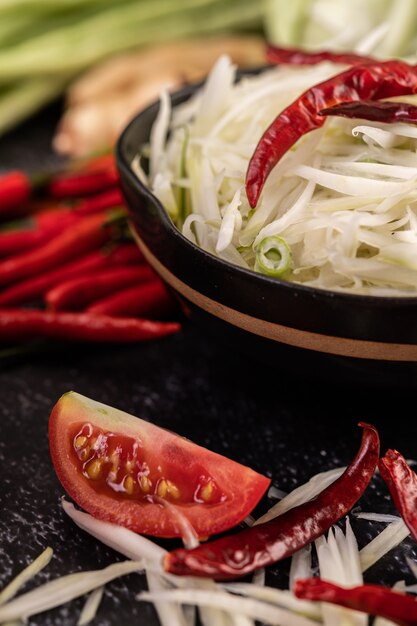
[(31, 289), (105, 200), (386, 112), (402, 483), (363, 82), (23, 324), (111, 198), (92, 163), (82, 183), (88, 234), (15, 191), (76, 293), (373, 599), (150, 299), (38, 232), (296, 56), (263, 544), (43, 225)]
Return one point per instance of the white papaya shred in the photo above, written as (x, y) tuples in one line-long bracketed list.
[(343, 198)]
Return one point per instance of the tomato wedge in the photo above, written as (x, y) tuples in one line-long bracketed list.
[(114, 464)]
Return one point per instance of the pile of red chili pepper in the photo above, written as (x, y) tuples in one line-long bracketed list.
[(69, 268)]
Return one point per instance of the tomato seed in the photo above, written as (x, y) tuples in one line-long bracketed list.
[(162, 488), (207, 491), (80, 441), (94, 469), (129, 485), (145, 484)]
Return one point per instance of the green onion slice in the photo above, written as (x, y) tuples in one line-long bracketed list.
[(273, 257)]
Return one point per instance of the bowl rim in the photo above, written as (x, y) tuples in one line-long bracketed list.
[(177, 97)]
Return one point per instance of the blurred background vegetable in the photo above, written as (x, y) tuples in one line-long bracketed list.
[(109, 59)]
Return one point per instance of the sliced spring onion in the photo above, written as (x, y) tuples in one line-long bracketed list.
[(273, 257)]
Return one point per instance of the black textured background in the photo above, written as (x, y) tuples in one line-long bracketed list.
[(284, 424)]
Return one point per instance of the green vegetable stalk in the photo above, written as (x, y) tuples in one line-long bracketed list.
[(44, 44)]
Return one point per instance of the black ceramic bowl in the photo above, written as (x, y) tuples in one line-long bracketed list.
[(322, 332)]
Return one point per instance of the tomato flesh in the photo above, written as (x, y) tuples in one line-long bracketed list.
[(119, 467), (118, 463)]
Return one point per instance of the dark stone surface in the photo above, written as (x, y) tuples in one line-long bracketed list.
[(281, 423)]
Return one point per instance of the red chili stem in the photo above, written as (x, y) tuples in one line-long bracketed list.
[(34, 288), (88, 234), (386, 112), (15, 191), (150, 299), (364, 82), (296, 56), (264, 544), (76, 293), (23, 324), (402, 483), (373, 599)]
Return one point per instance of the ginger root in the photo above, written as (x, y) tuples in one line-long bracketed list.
[(103, 100)]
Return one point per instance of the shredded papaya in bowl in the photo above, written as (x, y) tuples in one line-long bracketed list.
[(323, 261)]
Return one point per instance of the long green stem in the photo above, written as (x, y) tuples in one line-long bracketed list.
[(25, 98), (73, 48)]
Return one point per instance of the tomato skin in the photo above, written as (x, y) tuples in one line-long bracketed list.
[(177, 458)]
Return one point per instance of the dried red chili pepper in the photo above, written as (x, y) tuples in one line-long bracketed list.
[(386, 112), (296, 56), (363, 82), (76, 293), (402, 483), (373, 599), (263, 544), (34, 288), (88, 234), (15, 191), (150, 299), (23, 324)]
